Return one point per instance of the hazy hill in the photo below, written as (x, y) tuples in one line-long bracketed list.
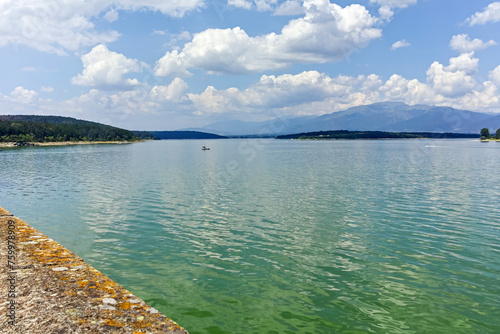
[(384, 116), (492, 122), (230, 127), (30, 128), (185, 135), (379, 116), (241, 128)]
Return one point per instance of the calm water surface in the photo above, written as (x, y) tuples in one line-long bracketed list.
[(269, 236)]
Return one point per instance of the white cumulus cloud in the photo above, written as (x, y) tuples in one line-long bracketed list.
[(326, 33), (20, 100), (290, 90), (59, 26), (47, 89), (490, 14), (172, 63), (265, 5), (486, 98), (174, 92), (240, 4), (103, 103), (290, 7), (395, 3), (270, 92), (385, 13), (23, 96), (167, 7), (210, 101), (398, 88), (111, 16), (305, 93), (463, 43), (400, 44), (464, 62), (51, 26), (457, 78), (102, 67), (495, 75), (313, 93)]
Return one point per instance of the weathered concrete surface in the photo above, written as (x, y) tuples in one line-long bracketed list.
[(57, 292)]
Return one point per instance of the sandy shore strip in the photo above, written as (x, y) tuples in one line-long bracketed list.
[(67, 143)]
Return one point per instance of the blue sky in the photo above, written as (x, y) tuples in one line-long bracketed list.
[(166, 65)]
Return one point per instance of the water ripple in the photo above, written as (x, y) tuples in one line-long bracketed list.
[(305, 237)]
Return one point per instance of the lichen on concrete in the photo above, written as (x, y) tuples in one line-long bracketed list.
[(57, 292)]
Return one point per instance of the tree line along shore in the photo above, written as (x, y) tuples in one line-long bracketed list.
[(34, 130), (352, 135), (486, 136), (51, 129), (31, 130)]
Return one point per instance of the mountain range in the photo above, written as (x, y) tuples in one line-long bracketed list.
[(383, 116)]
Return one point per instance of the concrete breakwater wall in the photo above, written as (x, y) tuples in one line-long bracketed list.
[(45, 288)]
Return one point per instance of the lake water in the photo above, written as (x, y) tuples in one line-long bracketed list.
[(270, 236)]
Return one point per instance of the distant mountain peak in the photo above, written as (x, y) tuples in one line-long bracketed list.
[(381, 116)]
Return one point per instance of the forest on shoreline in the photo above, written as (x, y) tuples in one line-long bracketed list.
[(345, 134), (27, 129)]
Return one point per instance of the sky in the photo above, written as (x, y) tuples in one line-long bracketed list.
[(167, 65)]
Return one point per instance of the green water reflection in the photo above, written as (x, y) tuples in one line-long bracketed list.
[(298, 237)]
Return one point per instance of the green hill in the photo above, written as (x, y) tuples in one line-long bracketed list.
[(31, 128)]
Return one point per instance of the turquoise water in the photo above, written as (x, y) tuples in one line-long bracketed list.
[(269, 236)]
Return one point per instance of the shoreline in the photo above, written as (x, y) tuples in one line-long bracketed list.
[(67, 143), (52, 290)]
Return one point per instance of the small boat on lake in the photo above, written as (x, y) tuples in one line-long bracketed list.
[(204, 148)]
